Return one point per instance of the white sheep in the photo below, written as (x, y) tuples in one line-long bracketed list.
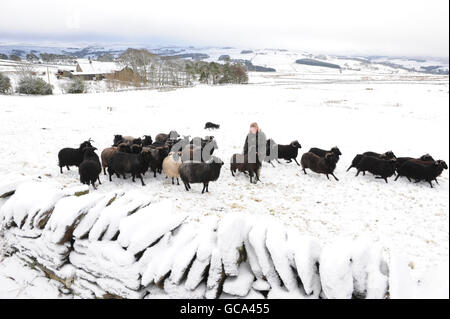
[(170, 166)]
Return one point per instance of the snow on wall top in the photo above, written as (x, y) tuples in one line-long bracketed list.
[(130, 245)]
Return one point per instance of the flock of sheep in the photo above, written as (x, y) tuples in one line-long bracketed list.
[(192, 160)]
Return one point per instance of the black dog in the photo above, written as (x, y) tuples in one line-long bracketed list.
[(211, 126)]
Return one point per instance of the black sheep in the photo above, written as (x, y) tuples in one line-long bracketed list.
[(121, 163), (320, 152), (162, 137), (72, 156), (386, 155), (241, 163), (158, 155), (90, 168), (147, 141), (192, 172), (381, 168), (211, 125), (123, 139), (135, 148), (321, 165), (137, 141), (425, 158), (289, 152), (422, 170)]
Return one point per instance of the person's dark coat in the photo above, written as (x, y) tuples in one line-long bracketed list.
[(257, 140)]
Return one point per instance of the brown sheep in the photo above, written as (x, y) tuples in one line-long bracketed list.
[(322, 165), (109, 151), (241, 163)]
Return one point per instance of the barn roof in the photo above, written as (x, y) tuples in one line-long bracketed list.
[(96, 67)]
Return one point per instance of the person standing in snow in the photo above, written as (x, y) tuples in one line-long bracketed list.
[(256, 142)]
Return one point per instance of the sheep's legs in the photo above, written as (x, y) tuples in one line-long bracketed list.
[(304, 170), (172, 181), (328, 176), (204, 187), (381, 177), (67, 166), (93, 185), (436, 181), (430, 184), (98, 178), (278, 161), (332, 174), (409, 179), (60, 169), (186, 186), (142, 180), (396, 178), (257, 177), (232, 173), (104, 170), (349, 168), (289, 161), (271, 163), (296, 161), (357, 173), (178, 182)]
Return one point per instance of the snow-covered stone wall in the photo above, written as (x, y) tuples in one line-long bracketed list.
[(125, 245)]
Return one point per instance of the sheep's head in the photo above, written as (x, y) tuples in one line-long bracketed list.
[(146, 155), (173, 135), (85, 144), (137, 141), (296, 144), (124, 147), (117, 139), (441, 164), (135, 148), (389, 155), (336, 151), (426, 158), (216, 161)]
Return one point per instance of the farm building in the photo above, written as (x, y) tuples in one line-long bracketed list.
[(87, 69)]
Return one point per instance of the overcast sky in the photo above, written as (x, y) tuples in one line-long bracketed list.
[(394, 27)]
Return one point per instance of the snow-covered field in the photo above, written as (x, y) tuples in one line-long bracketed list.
[(378, 111)]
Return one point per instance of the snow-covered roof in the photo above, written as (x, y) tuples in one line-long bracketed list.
[(96, 67)]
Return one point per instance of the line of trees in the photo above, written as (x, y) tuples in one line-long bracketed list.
[(162, 71)]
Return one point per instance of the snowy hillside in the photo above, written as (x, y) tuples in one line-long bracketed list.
[(280, 59)]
